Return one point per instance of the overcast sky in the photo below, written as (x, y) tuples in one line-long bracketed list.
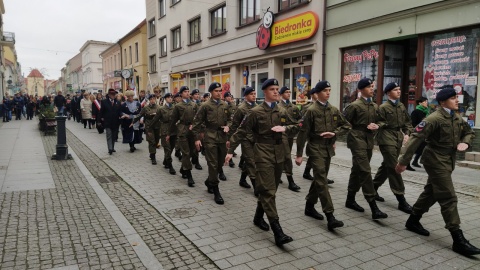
[(50, 32)]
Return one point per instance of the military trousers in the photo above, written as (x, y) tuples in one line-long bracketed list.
[(248, 156), (153, 136), (186, 142), (215, 155), (390, 155), (267, 180), (168, 147), (288, 164), (319, 186), (360, 175), (439, 188)]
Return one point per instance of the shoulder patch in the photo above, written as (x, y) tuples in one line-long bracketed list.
[(420, 126)]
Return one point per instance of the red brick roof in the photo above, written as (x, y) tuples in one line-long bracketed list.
[(35, 73)]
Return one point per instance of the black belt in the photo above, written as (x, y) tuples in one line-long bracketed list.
[(268, 141)]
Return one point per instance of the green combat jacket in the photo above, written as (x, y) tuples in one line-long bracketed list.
[(442, 133), (213, 116), (148, 113), (242, 111), (393, 121), (293, 114), (182, 117), (360, 114), (164, 116)]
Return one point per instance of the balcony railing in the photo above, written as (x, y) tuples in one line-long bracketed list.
[(8, 39)]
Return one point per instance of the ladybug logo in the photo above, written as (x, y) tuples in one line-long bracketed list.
[(264, 33)]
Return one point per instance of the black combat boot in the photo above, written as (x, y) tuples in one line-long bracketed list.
[(231, 163), (198, 166), (410, 168), (376, 213), (178, 154), (415, 161), (154, 160), (258, 218), (209, 188), (184, 173), (333, 222), (255, 192), (330, 181), (352, 204), (241, 164), (403, 204), (197, 163), (217, 196), (243, 181), (171, 170), (221, 175), (306, 173), (461, 245), (291, 184), (377, 197), (190, 181), (312, 212), (413, 224), (280, 237)]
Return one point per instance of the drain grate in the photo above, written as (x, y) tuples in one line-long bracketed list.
[(177, 192), (181, 213)]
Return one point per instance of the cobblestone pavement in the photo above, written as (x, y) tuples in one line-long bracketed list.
[(64, 226), (227, 236), (172, 249)]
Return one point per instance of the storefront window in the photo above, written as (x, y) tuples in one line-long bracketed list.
[(358, 63), (197, 81), (451, 60), (222, 76)]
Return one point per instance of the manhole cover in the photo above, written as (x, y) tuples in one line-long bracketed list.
[(181, 213), (3, 167), (177, 192)]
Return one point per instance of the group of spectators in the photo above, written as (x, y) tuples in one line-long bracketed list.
[(19, 105)]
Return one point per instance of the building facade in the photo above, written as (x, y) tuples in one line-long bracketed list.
[(36, 83), (422, 45), (196, 43), (91, 67), (73, 74), (112, 66)]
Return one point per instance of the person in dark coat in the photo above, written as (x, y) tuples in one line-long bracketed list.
[(19, 103), (417, 116), (32, 104), (97, 105), (7, 109), (110, 113), (59, 101)]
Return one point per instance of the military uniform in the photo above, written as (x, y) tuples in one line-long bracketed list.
[(393, 122), (164, 116), (152, 128)]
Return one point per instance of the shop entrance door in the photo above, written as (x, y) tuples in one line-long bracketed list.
[(257, 80)]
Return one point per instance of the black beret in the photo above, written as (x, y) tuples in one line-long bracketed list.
[(206, 95), (445, 94), (167, 95), (268, 83), (214, 86), (227, 94), (283, 89), (319, 87), (248, 90), (111, 90), (183, 88), (151, 96), (176, 95), (390, 87), (194, 91), (364, 83)]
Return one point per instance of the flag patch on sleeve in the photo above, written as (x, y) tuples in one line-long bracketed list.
[(420, 126)]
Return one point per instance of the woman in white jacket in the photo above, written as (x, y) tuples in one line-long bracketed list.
[(86, 109)]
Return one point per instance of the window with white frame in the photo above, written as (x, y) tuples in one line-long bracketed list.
[(163, 46), (195, 30), (219, 20), (152, 63), (249, 11), (162, 8), (176, 38), (151, 28), (286, 4)]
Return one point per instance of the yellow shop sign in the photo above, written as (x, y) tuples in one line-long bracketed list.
[(299, 27)]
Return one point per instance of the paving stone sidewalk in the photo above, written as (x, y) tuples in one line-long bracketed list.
[(227, 236)]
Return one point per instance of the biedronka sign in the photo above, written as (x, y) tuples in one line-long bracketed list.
[(299, 27)]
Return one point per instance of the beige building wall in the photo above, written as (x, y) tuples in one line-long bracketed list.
[(92, 74), (111, 62)]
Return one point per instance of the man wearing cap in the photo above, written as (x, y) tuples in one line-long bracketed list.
[(294, 116), (249, 96), (164, 116), (215, 116), (394, 129), (445, 133), (206, 97), (362, 114), (266, 123), (195, 96), (110, 113), (321, 124), (182, 120), (232, 107), (152, 126)]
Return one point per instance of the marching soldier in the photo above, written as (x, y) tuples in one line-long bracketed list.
[(249, 96), (264, 123), (293, 117), (215, 116), (164, 115), (195, 96), (182, 120), (152, 127), (232, 107), (320, 126), (445, 133), (362, 114), (177, 99), (394, 129)]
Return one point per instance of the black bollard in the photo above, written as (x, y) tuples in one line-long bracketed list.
[(62, 147)]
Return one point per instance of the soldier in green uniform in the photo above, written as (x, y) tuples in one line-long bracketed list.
[(182, 120), (195, 98), (320, 126), (178, 153), (394, 129), (215, 116), (152, 128), (164, 115), (232, 107), (362, 114), (265, 122), (445, 133), (242, 111), (294, 116)]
